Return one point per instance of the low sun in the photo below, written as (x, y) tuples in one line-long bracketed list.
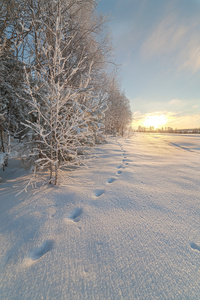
[(155, 121)]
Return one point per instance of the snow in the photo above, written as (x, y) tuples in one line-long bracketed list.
[(126, 227)]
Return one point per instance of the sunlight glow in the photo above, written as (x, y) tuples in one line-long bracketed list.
[(155, 121)]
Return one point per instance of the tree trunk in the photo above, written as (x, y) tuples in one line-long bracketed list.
[(2, 141)]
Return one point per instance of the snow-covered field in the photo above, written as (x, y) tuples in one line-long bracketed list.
[(126, 227)]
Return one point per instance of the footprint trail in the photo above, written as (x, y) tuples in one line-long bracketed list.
[(37, 253), (111, 180), (195, 246), (98, 193), (75, 214)]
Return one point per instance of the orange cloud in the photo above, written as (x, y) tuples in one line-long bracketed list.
[(173, 120)]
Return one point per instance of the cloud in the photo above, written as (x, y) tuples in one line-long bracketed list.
[(174, 119), (175, 102), (190, 55), (175, 36), (185, 122), (184, 107), (139, 118), (166, 37), (195, 106)]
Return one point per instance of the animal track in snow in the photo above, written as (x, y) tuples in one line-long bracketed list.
[(75, 214), (195, 246), (98, 193), (119, 167), (42, 250), (111, 180), (119, 172)]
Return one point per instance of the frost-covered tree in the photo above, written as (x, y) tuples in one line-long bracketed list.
[(64, 109), (12, 91), (54, 59), (13, 97), (118, 116)]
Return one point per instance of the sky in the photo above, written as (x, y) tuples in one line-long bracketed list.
[(157, 45)]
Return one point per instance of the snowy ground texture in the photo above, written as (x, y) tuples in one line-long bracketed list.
[(128, 227)]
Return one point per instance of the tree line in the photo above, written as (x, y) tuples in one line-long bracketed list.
[(59, 90)]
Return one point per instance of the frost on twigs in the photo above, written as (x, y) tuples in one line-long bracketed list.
[(62, 100), (56, 92)]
